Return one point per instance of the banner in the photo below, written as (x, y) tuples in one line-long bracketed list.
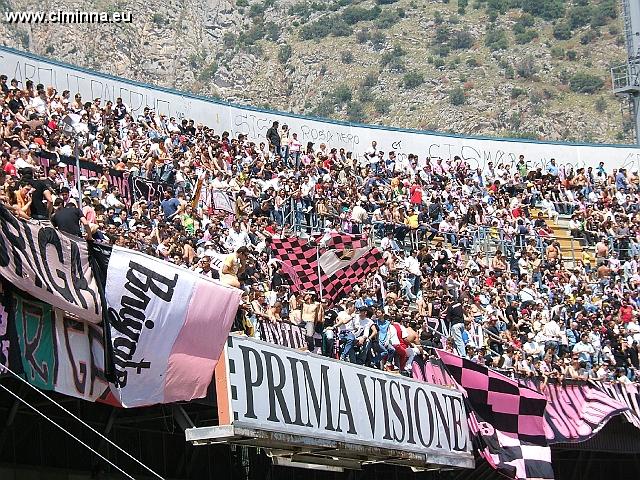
[(254, 122), (8, 340), (575, 412), (213, 199), (222, 201), (168, 327), (148, 190), (505, 418), (57, 352), (297, 393), (333, 260), (282, 333), (217, 261), (49, 265), (80, 358), (627, 394), (118, 178), (300, 260), (430, 370)]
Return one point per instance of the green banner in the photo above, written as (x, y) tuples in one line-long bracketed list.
[(35, 326)]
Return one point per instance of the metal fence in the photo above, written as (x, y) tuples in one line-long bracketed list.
[(299, 217)]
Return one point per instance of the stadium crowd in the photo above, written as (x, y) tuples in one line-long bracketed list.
[(471, 263)]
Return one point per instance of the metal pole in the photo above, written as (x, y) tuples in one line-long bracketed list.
[(486, 246), (319, 272), (78, 184)]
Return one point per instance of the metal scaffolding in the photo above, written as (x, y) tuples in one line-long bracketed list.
[(625, 78)]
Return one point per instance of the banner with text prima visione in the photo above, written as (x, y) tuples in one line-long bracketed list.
[(281, 390), (478, 151)]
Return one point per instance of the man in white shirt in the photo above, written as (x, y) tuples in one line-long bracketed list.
[(584, 350), (412, 266), (532, 347), (389, 243), (38, 103), (359, 216), (549, 208), (527, 293), (372, 152), (114, 199), (552, 333), (237, 238), (353, 329)]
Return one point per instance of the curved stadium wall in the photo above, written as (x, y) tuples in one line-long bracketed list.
[(221, 116)]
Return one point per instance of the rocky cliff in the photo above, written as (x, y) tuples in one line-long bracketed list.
[(493, 67)]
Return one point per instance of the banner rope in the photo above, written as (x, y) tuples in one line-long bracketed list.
[(3, 367), (17, 397)]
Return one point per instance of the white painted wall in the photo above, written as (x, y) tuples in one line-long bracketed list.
[(255, 122)]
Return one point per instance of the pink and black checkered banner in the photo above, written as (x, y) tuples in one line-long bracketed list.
[(576, 410), (299, 258), (505, 418)]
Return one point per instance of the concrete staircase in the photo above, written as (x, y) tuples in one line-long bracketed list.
[(571, 248)]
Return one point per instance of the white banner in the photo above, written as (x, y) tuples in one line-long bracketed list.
[(166, 337), (333, 260), (49, 265), (80, 358), (478, 151), (282, 390), (217, 261)]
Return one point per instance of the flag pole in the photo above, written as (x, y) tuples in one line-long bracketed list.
[(319, 272)]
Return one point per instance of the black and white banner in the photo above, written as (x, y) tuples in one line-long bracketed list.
[(297, 393), (168, 327), (282, 333), (49, 265), (215, 199), (118, 178), (148, 190)]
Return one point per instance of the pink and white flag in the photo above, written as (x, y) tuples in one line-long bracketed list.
[(168, 327)]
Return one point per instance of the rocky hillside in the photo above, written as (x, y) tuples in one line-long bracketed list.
[(522, 68)]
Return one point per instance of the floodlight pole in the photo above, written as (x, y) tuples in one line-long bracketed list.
[(76, 147)]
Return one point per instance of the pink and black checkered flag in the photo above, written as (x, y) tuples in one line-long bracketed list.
[(299, 259), (506, 419)]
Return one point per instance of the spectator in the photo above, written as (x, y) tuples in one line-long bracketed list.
[(471, 255)]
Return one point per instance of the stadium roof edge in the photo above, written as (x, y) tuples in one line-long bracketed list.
[(296, 115)]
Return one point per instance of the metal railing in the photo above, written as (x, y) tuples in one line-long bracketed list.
[(626, 78), (297, 217)]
